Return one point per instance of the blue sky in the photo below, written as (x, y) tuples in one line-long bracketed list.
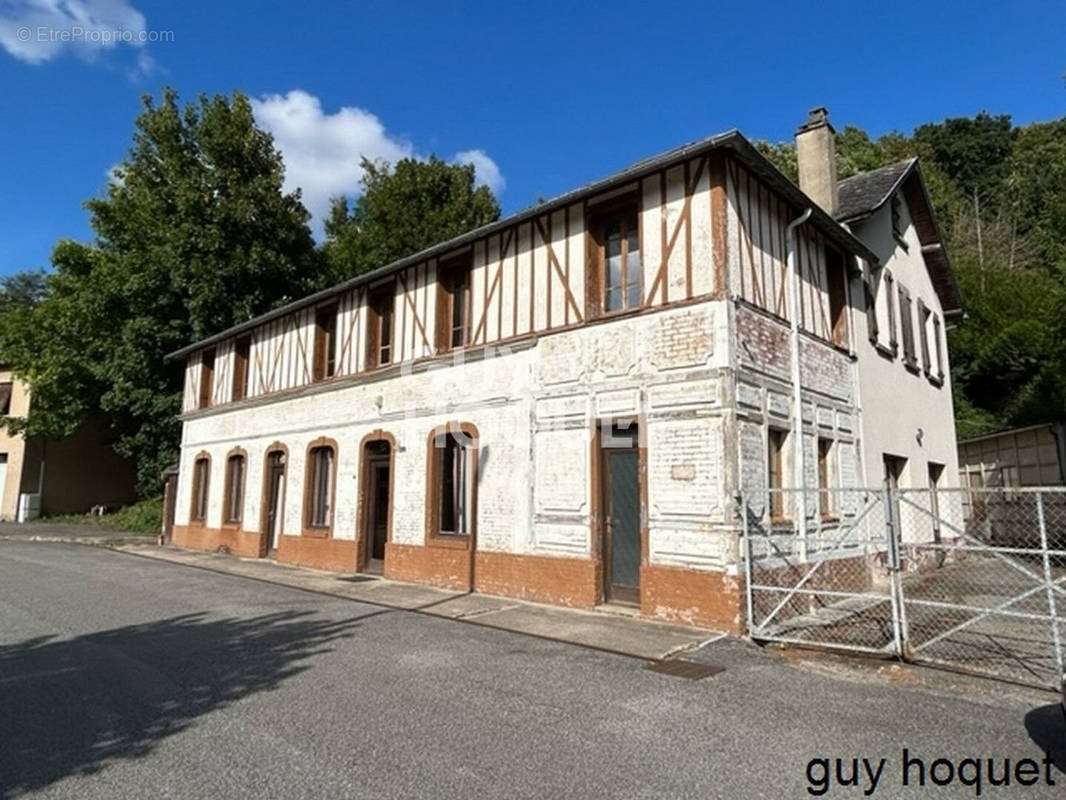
[(541, 98)]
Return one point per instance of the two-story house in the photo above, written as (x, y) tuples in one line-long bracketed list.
[(563, 405)]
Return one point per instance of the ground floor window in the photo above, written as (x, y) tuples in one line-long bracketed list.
[(775, 473), (452, 481), (201, 472), (321, 464), (235, 488), (825, 478)]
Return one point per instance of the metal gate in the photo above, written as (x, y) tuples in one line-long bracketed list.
[(974, 580)]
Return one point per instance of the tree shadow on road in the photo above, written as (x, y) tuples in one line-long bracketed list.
[(72, 706), (1046, 726)]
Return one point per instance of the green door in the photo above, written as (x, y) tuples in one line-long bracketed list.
[(622, 539)]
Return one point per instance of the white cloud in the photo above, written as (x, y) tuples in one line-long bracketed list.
[(36, 31), (486, 171), (323, 152)]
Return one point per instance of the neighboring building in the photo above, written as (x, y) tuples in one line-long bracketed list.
[(56, 476), (1031, 456), (563, 405)]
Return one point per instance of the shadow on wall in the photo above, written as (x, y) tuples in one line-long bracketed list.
[(1047, 727), (71, 707)]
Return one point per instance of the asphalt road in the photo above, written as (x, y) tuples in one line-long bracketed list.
[(126, 677)]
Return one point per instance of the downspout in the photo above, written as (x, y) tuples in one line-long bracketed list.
[(799, 477)]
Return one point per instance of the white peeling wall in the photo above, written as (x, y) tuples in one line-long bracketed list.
[(534, 409)]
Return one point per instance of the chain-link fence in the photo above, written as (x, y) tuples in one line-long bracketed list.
[(971, 579)]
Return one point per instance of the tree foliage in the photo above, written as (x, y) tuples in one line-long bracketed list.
[(404, 208), (193, 234), (999, 192)]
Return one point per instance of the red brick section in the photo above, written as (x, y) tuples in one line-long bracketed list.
[(447, 567), (241, 543), (693, 597), (333, 555), (543, 579)]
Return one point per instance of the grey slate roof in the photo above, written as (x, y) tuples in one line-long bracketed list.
[(864, 193)]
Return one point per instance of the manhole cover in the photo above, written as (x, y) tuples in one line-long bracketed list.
[(685, 669)]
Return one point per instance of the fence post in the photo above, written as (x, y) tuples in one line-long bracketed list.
[(1056, 638), (747, 562), (895, 588)]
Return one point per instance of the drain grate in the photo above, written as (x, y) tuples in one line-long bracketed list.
[(685, 669)]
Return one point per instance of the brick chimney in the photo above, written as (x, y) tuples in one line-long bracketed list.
[(817, 157)]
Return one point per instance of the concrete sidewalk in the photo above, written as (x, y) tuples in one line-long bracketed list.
[(71, 533), (618, 633)]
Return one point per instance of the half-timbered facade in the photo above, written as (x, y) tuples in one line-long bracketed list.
[(559, 406)]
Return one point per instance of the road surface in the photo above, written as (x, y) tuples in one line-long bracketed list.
[(122, 676)]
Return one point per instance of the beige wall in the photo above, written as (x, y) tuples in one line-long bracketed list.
[(896, 402), (14, 447)]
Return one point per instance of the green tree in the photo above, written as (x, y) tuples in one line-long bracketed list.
[(404, 208), (193, 234), (23, 289)]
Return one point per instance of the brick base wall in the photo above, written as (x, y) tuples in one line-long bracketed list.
[(543, 579), (333, 555), (693, 597), (447, 567), (241, 543)]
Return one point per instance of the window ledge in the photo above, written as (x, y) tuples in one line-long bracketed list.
[(316, 532), (452, 541), (888, 352), (913, 367), (232, 526)]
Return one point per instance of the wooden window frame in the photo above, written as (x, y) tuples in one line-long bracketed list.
[(375, 325), (924, 315), (838, 299), (906, 320), (227, 517), (200, 482), (870, 298), (596, 273), (207, 378), (242, 349), (890, 313), (826, 449), (447, 272), (775, 465), (309, 528), (325, 353), (896, 212), (938, 348), (434, 456)]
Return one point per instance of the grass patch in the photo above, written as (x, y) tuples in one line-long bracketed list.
[(143, 517)]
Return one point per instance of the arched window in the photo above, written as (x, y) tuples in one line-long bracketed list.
[(234, 496), (319, 484), (201, 474), (452, 497)]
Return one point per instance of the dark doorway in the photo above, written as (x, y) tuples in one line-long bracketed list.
[(378, 476), (274, 490), (622, 499)]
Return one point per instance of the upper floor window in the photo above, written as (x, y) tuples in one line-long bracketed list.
[(890, 311), (938, 348), (201, 473), (897, 219), (837, 277), (207, 377), (924, 324), (379, 326), (234, 488), (321, 461), (453, 308), (615, 281), (5, 398), (325, 364), (241, 352), (906, 318)]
